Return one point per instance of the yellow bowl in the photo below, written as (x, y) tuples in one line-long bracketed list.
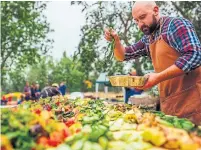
[(127, 81)]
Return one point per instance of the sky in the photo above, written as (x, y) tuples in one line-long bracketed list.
[(67, 21)]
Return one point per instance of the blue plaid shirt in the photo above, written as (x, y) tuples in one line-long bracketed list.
[(180, 34)]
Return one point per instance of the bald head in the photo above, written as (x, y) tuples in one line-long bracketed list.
[(146, 15), (143, 5)]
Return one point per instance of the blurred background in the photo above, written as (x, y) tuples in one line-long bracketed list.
[(54, 42)]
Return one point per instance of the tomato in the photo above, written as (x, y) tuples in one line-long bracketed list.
[(57, 103), (78, 130), (37, 111), (53, 143), (43, 140), (56, 137), (65, 133), (47, 107), (70, 122)]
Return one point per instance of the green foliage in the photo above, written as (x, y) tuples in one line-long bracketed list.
[(23, 33), (110, 50), (86, 51), (39, 72), (15, 81), (68, 71), (45, 72), (98, 16), (106, 14)]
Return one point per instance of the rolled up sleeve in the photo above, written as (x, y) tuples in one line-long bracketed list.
[(136, 50)]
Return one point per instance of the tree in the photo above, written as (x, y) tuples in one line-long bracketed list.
[(39, 72), (68, 71), (98, 16), (24, 32), (16, 81), (47, 71)]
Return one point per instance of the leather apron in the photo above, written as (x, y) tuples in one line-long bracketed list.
[(180, 96)]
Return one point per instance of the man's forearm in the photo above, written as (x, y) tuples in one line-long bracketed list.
[(119, 50), (169, 73)]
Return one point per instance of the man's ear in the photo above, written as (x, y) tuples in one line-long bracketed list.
[(156, 10)]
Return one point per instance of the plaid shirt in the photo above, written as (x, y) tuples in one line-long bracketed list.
[(180, 34)]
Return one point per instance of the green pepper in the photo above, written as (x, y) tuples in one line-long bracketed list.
[(68, 114), (87, 119), (186, 124), (77, 145), (97, 131), (103, 141), (177, 124)]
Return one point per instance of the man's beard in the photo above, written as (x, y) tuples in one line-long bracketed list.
[(147, 30)]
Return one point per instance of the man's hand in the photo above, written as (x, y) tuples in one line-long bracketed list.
[(110, 34), (119, 49), (153, 79)]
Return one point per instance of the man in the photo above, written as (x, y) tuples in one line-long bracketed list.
[(62, 88), (33, 91), (37, 94), (175, 50), (27, 91), (50, 91)]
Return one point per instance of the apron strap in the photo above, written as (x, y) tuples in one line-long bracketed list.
[(161, 24)]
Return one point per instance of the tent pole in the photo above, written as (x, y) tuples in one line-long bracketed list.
[(97, 84), (106, 91), (124, 93)]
